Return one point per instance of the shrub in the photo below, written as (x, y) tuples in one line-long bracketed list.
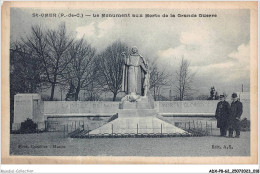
[(245, 125), (28, 126)]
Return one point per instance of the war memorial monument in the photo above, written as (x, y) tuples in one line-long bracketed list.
[(136, 115), (105, 127)]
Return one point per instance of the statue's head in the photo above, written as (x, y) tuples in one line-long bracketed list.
[(134, 50)]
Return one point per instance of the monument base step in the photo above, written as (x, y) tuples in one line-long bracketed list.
[(137, 126), (135, 105), (137, 113)]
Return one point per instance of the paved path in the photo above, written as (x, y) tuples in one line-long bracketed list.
[(53, 144)]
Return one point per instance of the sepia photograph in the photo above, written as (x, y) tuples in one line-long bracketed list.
[(122, 80)]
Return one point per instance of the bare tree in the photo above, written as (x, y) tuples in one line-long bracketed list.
[(25, 68), (51, 47), (184, 80), (109, 66), (81, 68), (158, 79)]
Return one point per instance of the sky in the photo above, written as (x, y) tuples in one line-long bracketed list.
[(218, 48)]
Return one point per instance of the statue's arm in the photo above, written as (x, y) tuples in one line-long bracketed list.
[(125, 58)]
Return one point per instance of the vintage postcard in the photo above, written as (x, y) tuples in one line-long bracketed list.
[(129, 83)]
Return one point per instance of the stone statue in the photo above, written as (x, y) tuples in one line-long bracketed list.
[(135, 81)]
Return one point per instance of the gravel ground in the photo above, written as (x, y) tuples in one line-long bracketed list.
[(54, 144)]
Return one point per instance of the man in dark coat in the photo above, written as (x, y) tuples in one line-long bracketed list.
[(234, 118), (222, 114)]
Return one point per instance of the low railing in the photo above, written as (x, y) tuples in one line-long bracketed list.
[(192, 128), (196, 127)]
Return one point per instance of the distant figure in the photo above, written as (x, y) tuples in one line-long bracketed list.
[(222, 114), (235, 116)]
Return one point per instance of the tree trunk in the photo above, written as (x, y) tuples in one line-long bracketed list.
[(77, 91), (158, 94), (180, 95), (114, 97), (60, 95), (154, 95), (52, 91), (76, 95)]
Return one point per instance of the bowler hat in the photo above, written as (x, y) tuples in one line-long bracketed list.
[(221, 96), (234, 95)]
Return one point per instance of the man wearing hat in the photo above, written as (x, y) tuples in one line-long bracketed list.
[(222, 114), (234, 118)]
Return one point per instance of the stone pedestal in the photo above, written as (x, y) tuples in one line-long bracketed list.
[(122, 113), (144, 102), (135, 105), (28, 106), (137, 118)]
